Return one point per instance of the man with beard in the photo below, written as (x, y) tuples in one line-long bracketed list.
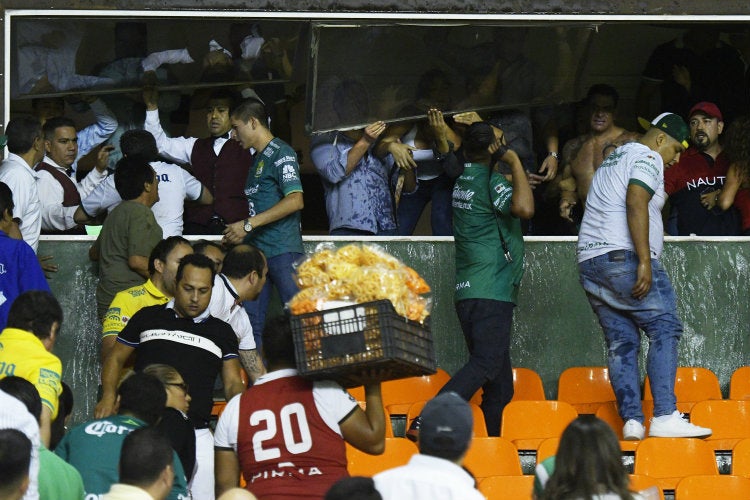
[(702, 168)]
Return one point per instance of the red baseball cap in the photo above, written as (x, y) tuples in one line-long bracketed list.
[(707, 108)]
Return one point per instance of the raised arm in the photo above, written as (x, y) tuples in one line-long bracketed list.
[(365, 430)]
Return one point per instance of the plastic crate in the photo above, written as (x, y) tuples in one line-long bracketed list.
[(340, 344)]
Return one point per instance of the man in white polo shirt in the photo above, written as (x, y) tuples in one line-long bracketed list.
[(619, 246)]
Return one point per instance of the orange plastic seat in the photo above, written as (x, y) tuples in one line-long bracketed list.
[(480, 427), (527, 386), (585, 387), (703, 487), (492, 456), (692, 384), (528, 423), (608, 412), (670, 459), (739, 384), (547, 448), (398, 395), (640, 482), (397, 452), (729, 420), (507, 487), (741, 458)]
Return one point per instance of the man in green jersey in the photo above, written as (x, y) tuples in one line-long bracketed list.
[(489, 266)]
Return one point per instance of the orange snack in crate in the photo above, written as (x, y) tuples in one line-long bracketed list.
[(349, 253), (310, 274), (340, 269), (415, 282), (372, 255), (306, 300)]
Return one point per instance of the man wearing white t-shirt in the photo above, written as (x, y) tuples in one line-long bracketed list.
[(175, 186), (286, 434), (242, 278), (619, 246)]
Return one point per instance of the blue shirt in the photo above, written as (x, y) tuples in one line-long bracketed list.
[(19, 272), (361, 200)]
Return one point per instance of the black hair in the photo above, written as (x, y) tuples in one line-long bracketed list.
[(140, 143), (243, 260), (6, 199), (196, 260), (144, 455), (131, 173), (15, 458), (49, 127), (354, 487), (224, 95), (163, 249), (64, 409), (477, 140), (21, 133), (250, 108), (25, 392), (35, 311), (278, 342), (142, 396), (200, 246), (604, 90)]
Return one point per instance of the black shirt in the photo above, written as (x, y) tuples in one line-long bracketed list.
[(197, 348)]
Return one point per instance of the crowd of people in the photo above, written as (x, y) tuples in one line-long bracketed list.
[(176, 315)]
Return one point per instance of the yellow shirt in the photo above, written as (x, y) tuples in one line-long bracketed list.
[(127, 303), (22, 354)]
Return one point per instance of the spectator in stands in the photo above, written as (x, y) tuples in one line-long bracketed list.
[(64, 410), (26, 149), (701, 169), (217, 161), (34, 321), (174, 423), (583, 155), (21, 271), (697, 66), (619, 246), (244, 275), (427, 146), (357, 183), (325, 417), (359, 487), (93, 447), (15, 460), (273, 210), (58, 480), (212, 250), (588, 464), (14, 415), (736, 190), (59, 193), (129, 234), (183, 334), (436, 472), (158, 289), (146, 467), (175, 186)]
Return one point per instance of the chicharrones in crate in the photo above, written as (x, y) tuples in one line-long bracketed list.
[(360, 308)]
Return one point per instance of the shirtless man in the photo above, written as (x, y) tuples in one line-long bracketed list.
[(583, 155)]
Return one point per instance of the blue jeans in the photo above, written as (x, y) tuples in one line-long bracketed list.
[(280, 275), (486, 326), (438, 190), (608, 280)]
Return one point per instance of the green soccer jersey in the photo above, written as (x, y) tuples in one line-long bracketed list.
[(481, 208), (93, 448), (275, 174)]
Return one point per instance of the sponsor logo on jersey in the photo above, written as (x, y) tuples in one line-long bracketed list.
[(2, 268), (102, 427), (463, 285), (288, 174), (259, 168)]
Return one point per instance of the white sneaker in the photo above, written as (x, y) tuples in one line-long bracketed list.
[(633, 431), (675, 425)]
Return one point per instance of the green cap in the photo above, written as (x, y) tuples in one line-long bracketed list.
[(672, 124)]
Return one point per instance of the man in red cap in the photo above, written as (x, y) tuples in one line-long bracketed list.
[(701, 169)]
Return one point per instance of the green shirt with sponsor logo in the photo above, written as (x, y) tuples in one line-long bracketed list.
[(481, 210), (275, 174), (93, 448)]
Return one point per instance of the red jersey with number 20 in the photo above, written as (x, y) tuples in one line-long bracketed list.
[(285, 449)]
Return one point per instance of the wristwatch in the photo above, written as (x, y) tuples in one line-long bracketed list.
[(553, 154), (247, 227)]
